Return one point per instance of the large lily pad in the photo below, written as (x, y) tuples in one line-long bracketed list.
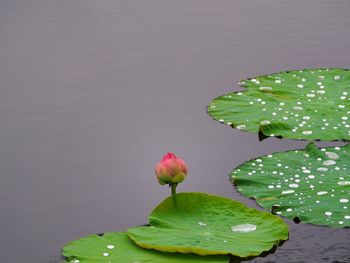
[(311, 185), (206, 224), (117, 247), (311, 104)]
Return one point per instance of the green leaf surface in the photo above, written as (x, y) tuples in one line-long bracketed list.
[(311, 185), (310, 104), (116, 247), (206, 225)]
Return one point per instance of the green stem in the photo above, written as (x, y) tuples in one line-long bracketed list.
[(173, 192)]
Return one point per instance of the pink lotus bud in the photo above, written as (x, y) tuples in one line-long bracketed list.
[(171, 170)]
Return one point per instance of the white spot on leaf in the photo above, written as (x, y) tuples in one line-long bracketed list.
[(244, 228)]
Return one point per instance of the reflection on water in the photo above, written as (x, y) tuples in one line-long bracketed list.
[(93, 93)]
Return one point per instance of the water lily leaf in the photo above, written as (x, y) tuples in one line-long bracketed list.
[(206, 225), (311, 104), (310, 185), (117, 247)]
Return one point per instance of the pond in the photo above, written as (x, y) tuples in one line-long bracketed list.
[(94, 93)]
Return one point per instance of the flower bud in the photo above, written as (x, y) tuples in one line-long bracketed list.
[(171, 170)]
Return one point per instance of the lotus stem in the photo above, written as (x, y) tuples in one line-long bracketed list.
[(173, 192)]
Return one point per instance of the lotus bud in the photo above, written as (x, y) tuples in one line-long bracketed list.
[(171, 170)]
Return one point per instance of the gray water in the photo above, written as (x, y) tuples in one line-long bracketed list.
[(93, 93)]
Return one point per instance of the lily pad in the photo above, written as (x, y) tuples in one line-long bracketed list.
[(311, 104), (117, 247), (311, 185), (206, 225)]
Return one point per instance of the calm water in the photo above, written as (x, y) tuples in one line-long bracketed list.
[(93, 93)]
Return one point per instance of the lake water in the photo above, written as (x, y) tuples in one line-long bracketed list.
[(93, 93)]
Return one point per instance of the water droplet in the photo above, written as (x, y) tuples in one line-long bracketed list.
[(307, 132), (105, 254), (110, 246), (329, 162), (288, 192), (332, 155), (265, 88), (322, 193), (244, 228), (240, 127), (344, 183), (343, 200), (328, 213), (294, 185), (298, 108), (265, 122), (202, 224)]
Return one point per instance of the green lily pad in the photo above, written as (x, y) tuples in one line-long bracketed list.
[(117, 247), (311, 185), (206, 225), (311, 104)]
